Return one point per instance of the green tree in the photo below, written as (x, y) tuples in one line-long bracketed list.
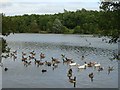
[(77, 29), (34, 27), (111, 8), (57, 26)]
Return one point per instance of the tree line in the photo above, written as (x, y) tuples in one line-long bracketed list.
[(69, 22), (103, 22)]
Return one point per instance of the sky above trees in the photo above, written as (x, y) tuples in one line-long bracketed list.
[(20, 7)]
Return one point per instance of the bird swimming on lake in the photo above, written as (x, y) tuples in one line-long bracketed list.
[(73, 80), (91, 75), (100, 69), (5, 68), (110, 69), (44, 70), (97, 65), (82, 66), (73, 64)]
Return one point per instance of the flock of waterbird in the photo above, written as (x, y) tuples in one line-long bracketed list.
[(31, 58)]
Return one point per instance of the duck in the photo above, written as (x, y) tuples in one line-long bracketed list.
[(5, 68), (44, 70)]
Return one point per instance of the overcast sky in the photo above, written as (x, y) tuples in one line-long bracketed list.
[(20, 7)]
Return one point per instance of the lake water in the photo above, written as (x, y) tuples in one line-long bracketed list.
[(53, 45)]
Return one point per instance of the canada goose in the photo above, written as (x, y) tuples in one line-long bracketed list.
[(48, 63), (64, 61), (29, 63), (23, 53), (24, 58), (91, 64), (63, 56), (11, 54), (41, 63), (42, 56), (100, 69), (25, 63), (110, 69), (32, 52), (15, 52), (54, 60), (55, 65), (73, 81), (91, 75), (70, 71), (14, 57), (31, 57), (68, 59), (36, 61)]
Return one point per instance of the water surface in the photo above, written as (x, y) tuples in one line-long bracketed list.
[(53, 45)]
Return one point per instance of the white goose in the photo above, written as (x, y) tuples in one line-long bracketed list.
[(73, 64), (82, 66), (97, 65)]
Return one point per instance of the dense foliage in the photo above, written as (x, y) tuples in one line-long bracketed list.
[(109, 6), (79, 22)]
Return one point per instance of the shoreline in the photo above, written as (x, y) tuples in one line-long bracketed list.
[(94, 35)]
